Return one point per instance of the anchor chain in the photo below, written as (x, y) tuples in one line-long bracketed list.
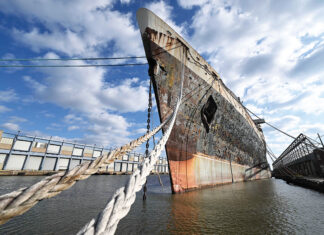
[(119, 205), (149, 109)]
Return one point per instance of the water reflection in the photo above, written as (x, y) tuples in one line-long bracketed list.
[(258, 207), (184, 213)]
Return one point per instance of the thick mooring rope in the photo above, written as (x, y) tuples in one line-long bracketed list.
[(121, 202), (119, 205), (21, 200)]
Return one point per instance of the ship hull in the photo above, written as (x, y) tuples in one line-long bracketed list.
[(205, 171), (214, 140)]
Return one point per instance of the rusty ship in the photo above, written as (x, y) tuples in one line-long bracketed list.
[(214, 140)]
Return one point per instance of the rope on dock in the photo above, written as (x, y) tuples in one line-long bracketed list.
[(119, 205), (21, 200)]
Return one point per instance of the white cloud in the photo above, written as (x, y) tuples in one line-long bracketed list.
[(72, 118), (161, 9), (8, 95), (311, 64), (292, 125), (129, 96), (4, 109), (41, 134), (248, 41), (72, 128), (67, 42), (75, 27), (47, 114), (270, 54), (10, 56), (73, 90), (188, 4), (125, 1), (54, 126), (92, 101), (10, 126), (17, 119), (257, 110), (107, 129), (164, 11), (12, 123), (83, 28), (141, 131)]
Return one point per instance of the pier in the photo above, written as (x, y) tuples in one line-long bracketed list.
[(302, 163), (26, 155)]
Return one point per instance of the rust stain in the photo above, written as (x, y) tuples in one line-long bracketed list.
[(182, 175), (229, 134)]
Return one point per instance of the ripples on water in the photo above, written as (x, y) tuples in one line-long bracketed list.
[(258, 207)]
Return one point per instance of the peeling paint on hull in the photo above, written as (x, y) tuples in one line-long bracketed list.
[(201, 172), (214, 140)]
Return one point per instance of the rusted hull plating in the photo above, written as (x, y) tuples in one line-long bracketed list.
[(214, 140)]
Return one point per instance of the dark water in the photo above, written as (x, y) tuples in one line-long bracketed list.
[(259, 207)]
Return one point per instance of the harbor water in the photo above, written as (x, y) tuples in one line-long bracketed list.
[(257, 207)]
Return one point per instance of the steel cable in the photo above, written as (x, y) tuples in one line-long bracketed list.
[(80, 59)]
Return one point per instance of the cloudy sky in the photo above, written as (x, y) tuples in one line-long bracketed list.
[(270, 53)]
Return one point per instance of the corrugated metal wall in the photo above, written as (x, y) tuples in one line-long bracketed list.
[(30, 153), (33, 163), (15, 162), (49, 164), (2, 159)]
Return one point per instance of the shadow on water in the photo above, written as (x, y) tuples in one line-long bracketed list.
[(258, 207)]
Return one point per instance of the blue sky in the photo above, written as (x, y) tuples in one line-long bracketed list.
[(270, 53)]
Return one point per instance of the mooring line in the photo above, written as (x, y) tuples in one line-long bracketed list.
[(21, 200), (119, 205)]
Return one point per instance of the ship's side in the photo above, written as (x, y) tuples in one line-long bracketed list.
[(214, 140)]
